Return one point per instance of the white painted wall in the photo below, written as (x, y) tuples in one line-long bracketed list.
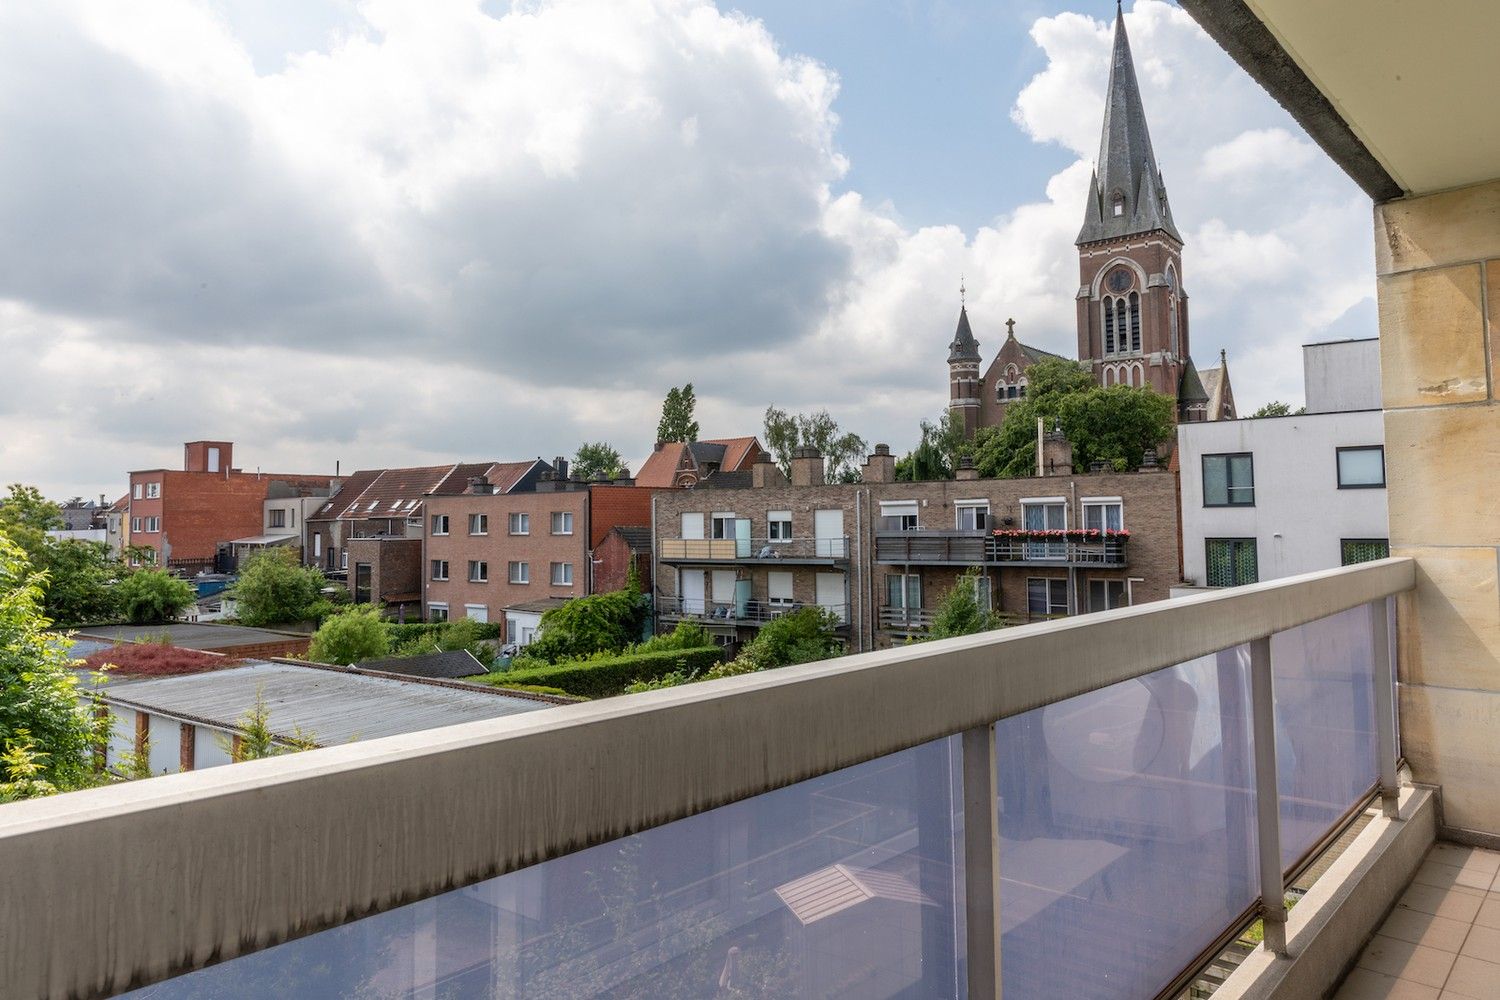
[(1341, 375), (207, 751), (165, 750), (1300, 514)]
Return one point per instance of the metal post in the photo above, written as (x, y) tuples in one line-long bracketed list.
[(1385, 705), (1267, 803), (981, 863)]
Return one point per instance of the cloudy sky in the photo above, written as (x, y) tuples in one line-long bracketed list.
[(389, 233)]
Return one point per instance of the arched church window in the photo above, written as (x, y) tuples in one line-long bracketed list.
[(1121, 344), (1109, 325), (1172, 307), (1135, 321)]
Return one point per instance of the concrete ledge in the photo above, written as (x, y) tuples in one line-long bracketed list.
[(1333, 921)]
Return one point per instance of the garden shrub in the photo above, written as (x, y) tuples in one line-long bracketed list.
[(610, 675)]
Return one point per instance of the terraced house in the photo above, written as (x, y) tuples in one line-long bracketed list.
[(882, 555)]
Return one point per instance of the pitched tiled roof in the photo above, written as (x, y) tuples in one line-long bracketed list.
[(660, 470), (392, 492), (1035, 354), (638, 538)]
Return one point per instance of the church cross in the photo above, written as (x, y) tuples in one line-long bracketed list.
[(1010, 328)]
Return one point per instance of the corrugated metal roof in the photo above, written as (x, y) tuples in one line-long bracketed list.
[(327, 706), (457, 663), (189, 635)]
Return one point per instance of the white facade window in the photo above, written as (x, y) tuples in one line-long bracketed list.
[(213, 459), (904, 591), (437, 612), (520, 572), (344, 559), (153, 491), (723, 586), (1103, 514), (276, 518), (562, 574), (440, 569), (135, 523), (479, 571), (138, 491), (971, 515), (898, 515), (779, 589), (479, 524), (692, 526), (440, 524), (723, 524), (1361, 468), (562, 522), (153, 524), (317, 546), (520, 524), (477, 612), (779, 526)]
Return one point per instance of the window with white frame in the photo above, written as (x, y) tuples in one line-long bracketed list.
[(779, 589), (317, 545), (692, 526), (898, 515), (562, 522), (440, 569), (344, 559), (562, 574), (520, 572), (153, 491), (1047, 595), (276, 518), (437, 612), (440, 524), (153, 524), (1103, 513), (903, 591), (479, 571), (779, 526), (520, 524), (138, 491), (971, 515), (983, 595), (479, 524), (723, 524), (136, 523)]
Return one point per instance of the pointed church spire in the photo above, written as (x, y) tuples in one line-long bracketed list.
[(1126, 195), (964, 346)]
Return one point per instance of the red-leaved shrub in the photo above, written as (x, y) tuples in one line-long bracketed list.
[(150, 659)]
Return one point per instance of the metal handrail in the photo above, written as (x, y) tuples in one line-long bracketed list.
[(754, 611), (242, 854)]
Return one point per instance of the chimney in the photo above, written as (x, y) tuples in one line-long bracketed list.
[(965, 470), (561, 465), (1057, 454), (807, 467), (880, 467), (480, 486), (766, 473), (1149, 461)]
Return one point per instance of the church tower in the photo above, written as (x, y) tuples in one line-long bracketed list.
[(1132, 310), (963, 373)]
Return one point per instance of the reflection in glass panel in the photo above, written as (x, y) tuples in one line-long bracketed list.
[(842, 886), (1325, 733), (1128, 833)]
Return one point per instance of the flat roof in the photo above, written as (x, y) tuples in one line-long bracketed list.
[(328, 707), (189, 635)]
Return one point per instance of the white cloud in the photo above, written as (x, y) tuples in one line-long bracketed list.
[(449, 234)]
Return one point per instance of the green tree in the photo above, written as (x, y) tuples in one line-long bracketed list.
[(677, 423), (350, 635), (77, 577), (153, 596), (598, 458), (960, 613), (1276, 408), (47, 737), (842, 452), (1114, 425), (800, 636), (275, 588), (585, 626), (941, 445)]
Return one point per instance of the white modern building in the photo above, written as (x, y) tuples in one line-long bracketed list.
[(1271, 497)]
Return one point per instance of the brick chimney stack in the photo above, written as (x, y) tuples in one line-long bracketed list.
[(1057, 454), (965, 470), (880, 467), (807, 467), (765, 473)]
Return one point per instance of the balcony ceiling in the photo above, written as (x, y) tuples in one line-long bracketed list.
[(1413, 82)]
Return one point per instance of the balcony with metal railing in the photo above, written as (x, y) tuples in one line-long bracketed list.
[(752, 613), (916, 621), (1102, 550), (1091, 806), (832, 551)]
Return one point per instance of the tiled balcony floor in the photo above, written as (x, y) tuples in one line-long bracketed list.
[(1442, 941)]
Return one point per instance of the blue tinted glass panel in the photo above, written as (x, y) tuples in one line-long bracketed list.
[(1128, 831), (842, 886), (1325, 732)]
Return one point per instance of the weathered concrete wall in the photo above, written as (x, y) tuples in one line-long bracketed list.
[(1438, 265)]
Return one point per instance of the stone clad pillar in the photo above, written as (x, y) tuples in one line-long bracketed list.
[(1438, 267)]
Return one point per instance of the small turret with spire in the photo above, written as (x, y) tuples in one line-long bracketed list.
[(963, 369)]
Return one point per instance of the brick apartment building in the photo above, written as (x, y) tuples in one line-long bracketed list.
[(370, 534), (186, 518), (882, 555), (506, 557)]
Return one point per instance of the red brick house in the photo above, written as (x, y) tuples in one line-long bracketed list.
[(677, 464), (186, 518)]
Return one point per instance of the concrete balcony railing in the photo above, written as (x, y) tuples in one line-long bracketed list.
[(751, 613), (1084, 807), (984, 548), (803, 551)]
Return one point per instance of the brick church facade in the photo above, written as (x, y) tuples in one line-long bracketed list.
[(1132, 304)]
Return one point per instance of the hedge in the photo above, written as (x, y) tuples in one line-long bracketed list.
[(603, 678), (402, 632)]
